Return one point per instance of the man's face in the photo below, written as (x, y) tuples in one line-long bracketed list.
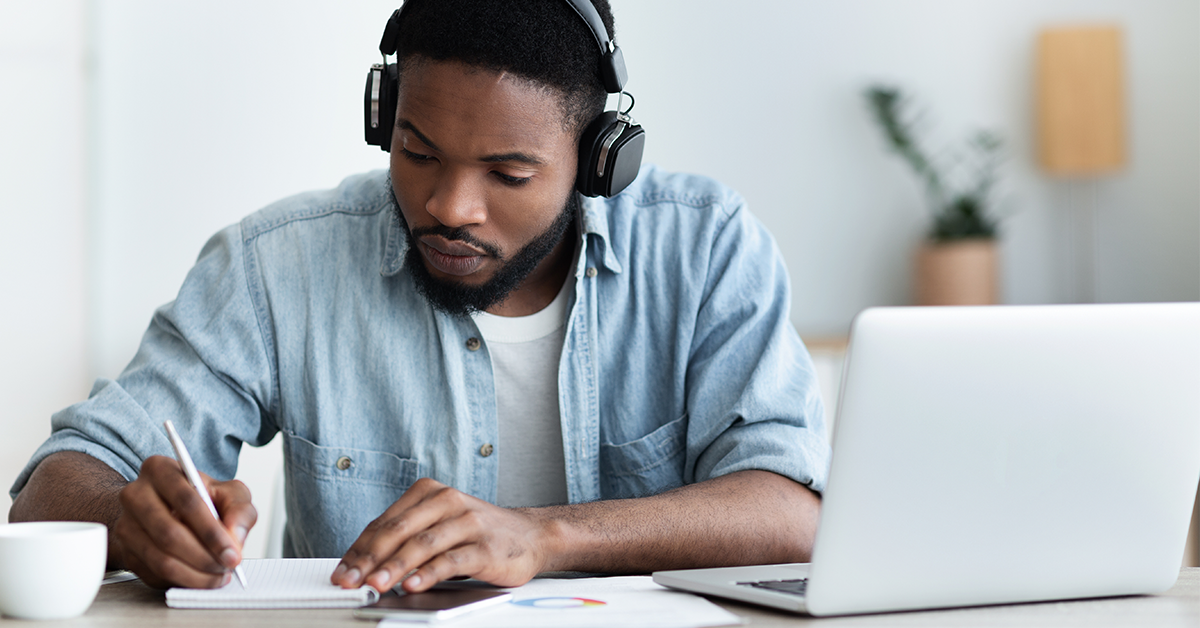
[(483, 173)]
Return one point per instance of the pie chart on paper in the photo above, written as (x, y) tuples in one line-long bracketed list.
[(559, 603)]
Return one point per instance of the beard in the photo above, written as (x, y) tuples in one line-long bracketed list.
[(459, 299)]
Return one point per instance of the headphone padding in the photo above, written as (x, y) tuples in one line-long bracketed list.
[(622, 162), (381, 136)]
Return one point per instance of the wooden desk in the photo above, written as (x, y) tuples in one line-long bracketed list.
[(133, 605)]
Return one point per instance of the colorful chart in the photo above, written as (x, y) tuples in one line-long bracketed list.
[(559, 602)]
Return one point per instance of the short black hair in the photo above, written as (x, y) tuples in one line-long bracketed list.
[(543, 41)]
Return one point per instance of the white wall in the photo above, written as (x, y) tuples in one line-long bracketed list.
[(766, 96), (43, 146), (200, 113), (207, 112)]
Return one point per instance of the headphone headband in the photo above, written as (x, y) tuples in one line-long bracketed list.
[(391, 33), (612, 60), (587, 12)]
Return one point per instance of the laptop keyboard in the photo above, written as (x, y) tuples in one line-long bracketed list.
[(795, 586)]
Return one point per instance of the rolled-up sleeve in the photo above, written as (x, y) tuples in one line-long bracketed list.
[(203, 363), (753, 398)]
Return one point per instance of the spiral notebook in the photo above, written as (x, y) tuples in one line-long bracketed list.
[(278, 583)]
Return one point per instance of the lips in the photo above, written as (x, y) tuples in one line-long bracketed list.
[(449, 256)]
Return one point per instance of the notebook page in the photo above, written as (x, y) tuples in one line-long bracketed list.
[(277, 583)]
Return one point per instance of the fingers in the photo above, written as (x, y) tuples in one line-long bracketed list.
[(435, 541), (169, 536), (189, 507), (152, 506), (444, 566), (416, 510), (159, 569), (433, 533), (232, 500)]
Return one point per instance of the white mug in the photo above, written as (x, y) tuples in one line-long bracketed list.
[(50, 569)]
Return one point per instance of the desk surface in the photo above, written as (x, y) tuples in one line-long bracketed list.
[(133, 605)]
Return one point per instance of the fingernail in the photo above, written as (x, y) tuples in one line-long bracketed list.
[(229, 558), (412, 582), (227, 579), (381, 577), (337, 573), (241, 532), (352, 577)]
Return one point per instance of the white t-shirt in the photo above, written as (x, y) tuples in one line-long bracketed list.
[(525, 351)]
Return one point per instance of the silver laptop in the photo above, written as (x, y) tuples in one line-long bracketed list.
[(991, 455)]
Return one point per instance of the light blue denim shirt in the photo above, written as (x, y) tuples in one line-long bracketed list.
[(679, 362)]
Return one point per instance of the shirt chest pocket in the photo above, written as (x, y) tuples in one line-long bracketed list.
[(334, 492), (646, 466)]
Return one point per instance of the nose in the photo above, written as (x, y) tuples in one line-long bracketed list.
[(458, 199)]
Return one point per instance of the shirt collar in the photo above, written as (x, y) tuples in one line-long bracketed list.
[(595, 222), (396, 244)]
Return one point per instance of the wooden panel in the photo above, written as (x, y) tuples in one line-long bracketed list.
[(1080, 100)]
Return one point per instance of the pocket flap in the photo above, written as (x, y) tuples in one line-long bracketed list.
[(346, 463)]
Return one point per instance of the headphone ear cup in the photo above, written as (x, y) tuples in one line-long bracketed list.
[(624, 160), (589, 152), (379, 105), (610, 155)]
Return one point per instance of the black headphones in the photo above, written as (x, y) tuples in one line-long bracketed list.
[(610, 150)]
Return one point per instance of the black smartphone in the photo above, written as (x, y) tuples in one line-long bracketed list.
[(432, 605)]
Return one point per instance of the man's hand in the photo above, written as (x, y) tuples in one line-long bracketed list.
[(167, 534), (442, 533), (434, 533)]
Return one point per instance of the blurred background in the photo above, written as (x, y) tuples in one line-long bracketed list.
[(132, 130)]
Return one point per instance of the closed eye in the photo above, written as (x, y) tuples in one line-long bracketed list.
[(511, 180), (415, 157)]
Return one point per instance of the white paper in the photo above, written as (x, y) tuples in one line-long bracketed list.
[(277, 583), (625, 602)]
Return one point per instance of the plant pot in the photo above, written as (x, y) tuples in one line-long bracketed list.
[(962, 272)]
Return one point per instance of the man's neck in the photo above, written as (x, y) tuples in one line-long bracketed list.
[(543, 284)]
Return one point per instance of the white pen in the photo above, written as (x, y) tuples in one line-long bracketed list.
[(189, 469)]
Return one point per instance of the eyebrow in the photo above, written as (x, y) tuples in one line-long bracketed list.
[(524, 158), (516, 156), (405, 125)]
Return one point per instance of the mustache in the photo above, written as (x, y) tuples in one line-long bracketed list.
[(456, 233)]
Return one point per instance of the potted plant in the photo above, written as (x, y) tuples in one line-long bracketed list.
[(957, 262)]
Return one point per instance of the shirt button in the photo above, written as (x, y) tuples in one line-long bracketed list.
[(591, 271), (473, 344), (343, 463), (486, 450)]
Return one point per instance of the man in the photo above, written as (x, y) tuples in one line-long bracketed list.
[(475, 371)]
